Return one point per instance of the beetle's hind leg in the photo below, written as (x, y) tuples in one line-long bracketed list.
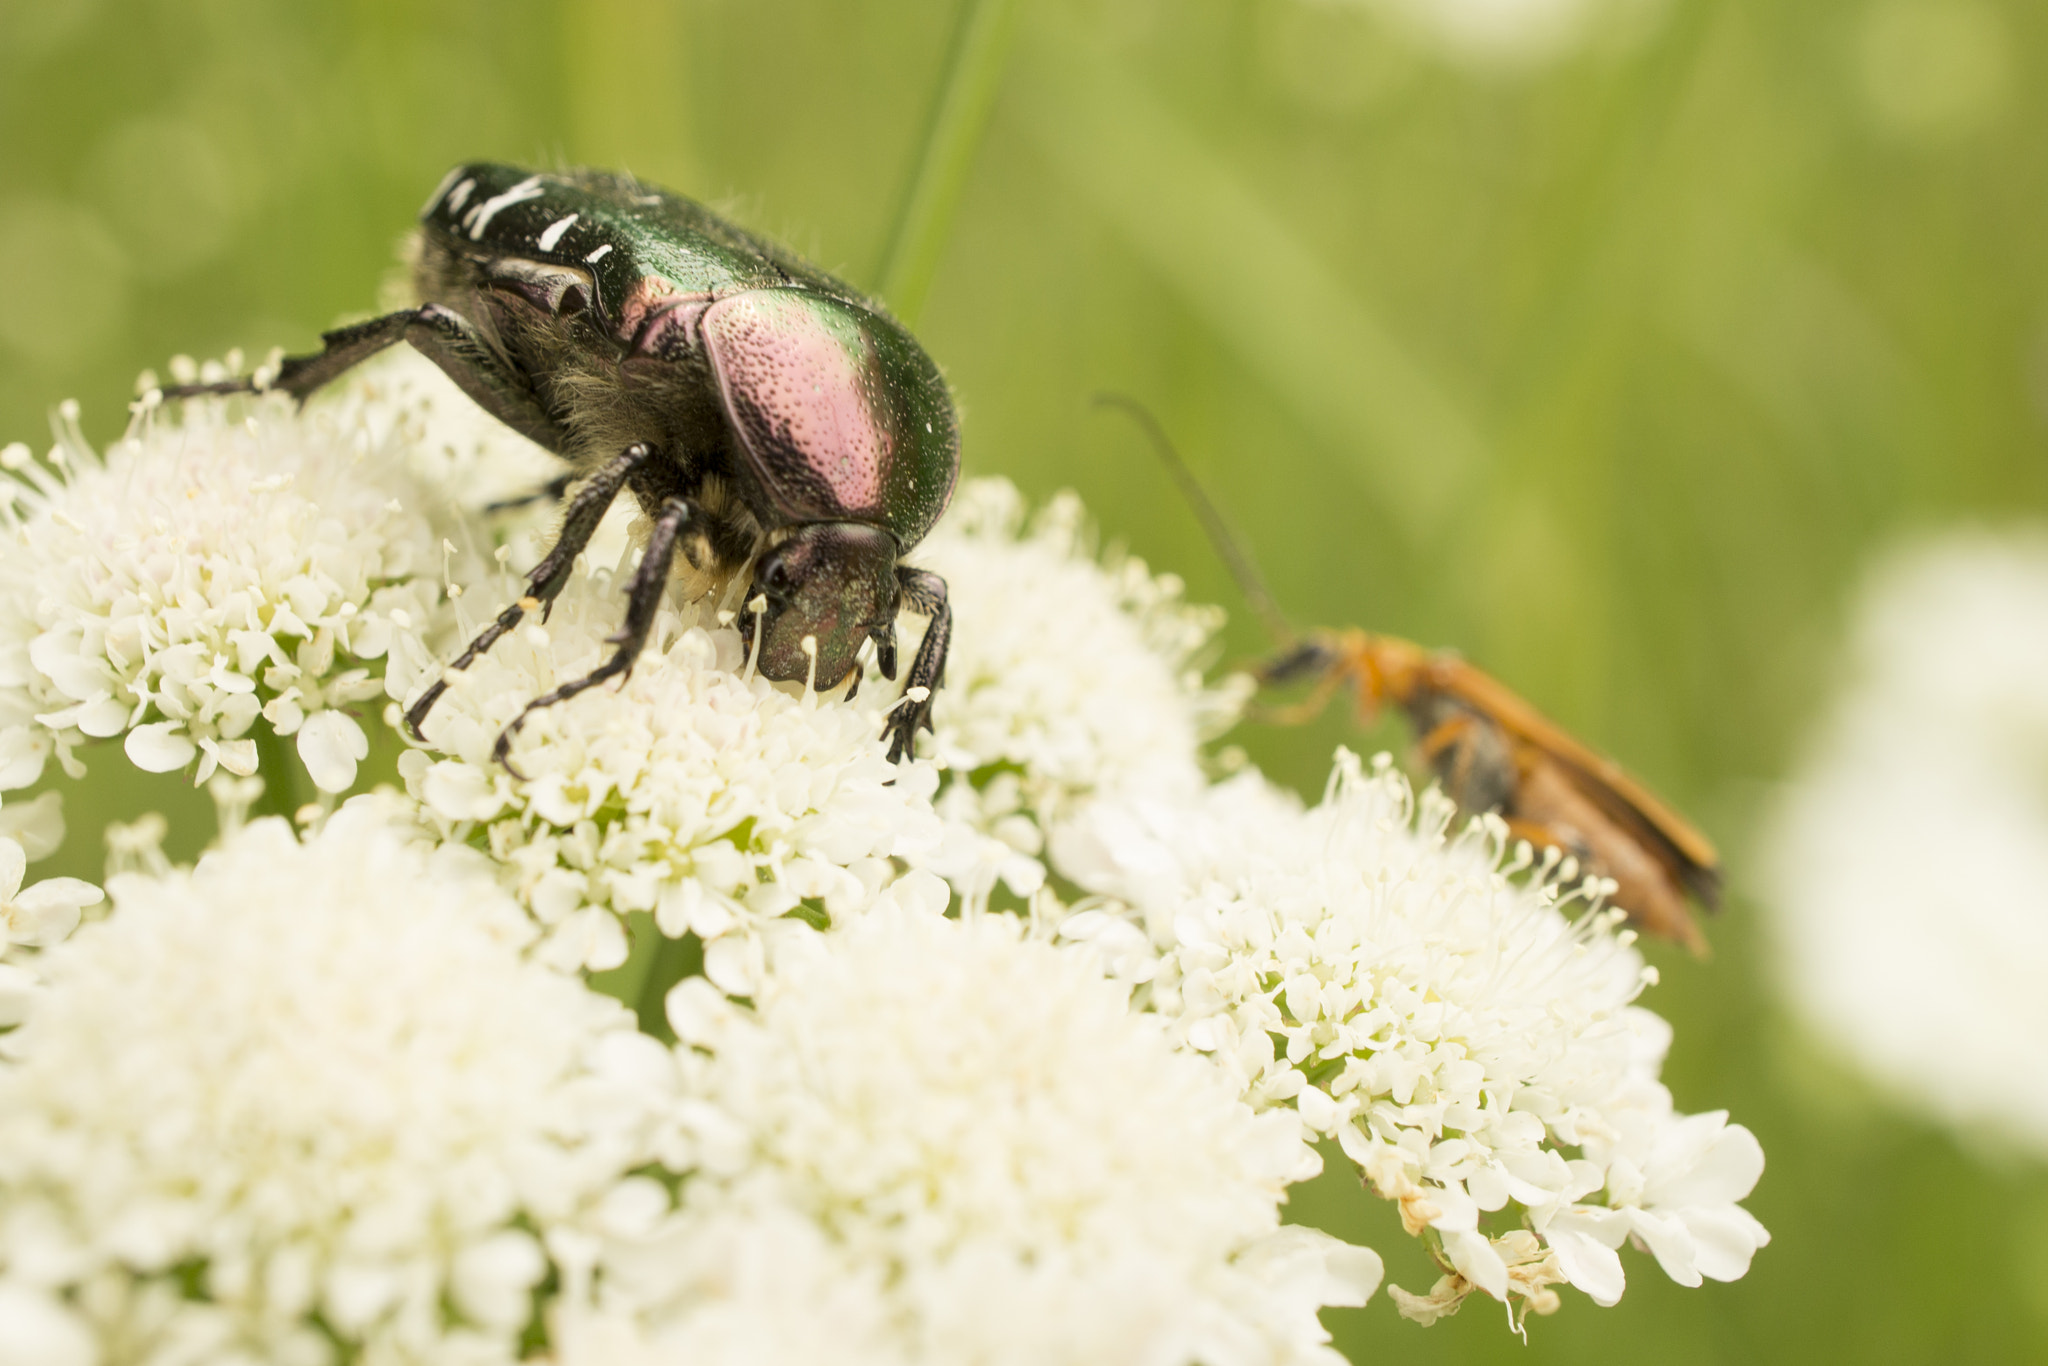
[(925, 593), (547, 578), (643, 599), (551, 492), (440, 334)]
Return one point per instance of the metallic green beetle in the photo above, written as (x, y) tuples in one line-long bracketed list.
[(762, 412)]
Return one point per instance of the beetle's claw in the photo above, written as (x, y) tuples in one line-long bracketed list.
[(900, 734), (416, 715), (904, 723), (501, 750)]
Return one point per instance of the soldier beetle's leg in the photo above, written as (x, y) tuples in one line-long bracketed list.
[(1472, 758), (546, 580), (643, 599), (1310, 707), (1451, 731)]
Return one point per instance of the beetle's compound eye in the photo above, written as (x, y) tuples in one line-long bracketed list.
[(831, 582), (774, 577)]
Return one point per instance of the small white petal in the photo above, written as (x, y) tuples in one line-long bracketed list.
[(491, 1279), (37, 824), (1725, 1238), (13, 865), (1587, 1264), (38, 1330), (19, 989), (331, 744), (161, 747), (51, 908)]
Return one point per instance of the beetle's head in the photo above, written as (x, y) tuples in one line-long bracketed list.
[(835, 583)]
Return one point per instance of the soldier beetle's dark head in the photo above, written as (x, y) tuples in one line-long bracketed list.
[(1379, 669), (1308, 658), (833, 584)]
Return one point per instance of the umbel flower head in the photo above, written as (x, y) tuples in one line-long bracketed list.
[(975, 1129), (32, 918), (347, 1098), (304, 1100), (235, 568), (1909, 857), (1069, 676), (698, 790), (1473, 1049)]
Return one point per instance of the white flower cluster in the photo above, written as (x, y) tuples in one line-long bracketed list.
[(1909, 858), (208, 576), (33, 918), (1068, 677), (464, 455), (1473, 1049), (306, 1099), (976, 1131), (349, 1097), (698, 791)]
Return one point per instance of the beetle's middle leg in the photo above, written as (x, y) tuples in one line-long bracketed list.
[(643, 600), (547, 579)]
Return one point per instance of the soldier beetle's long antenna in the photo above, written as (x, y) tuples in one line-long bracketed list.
[(1228, 547)]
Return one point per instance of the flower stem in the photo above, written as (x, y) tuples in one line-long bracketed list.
[(974, 69), (279, 769), (674, 959)]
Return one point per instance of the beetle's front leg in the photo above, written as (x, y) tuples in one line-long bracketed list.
[(643, 599), (923, 592), (545, 582), (440, 334)]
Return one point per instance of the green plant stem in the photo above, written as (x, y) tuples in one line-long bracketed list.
[(674, 959), (278, 766), (974, 69)]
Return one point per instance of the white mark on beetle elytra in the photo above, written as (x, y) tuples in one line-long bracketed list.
[(483, 213), (598, 255), (554, 231), (441, 190)]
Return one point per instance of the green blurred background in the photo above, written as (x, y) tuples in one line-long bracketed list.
[(1609, 370)]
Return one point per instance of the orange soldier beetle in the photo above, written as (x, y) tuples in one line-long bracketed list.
[(1489, 749)]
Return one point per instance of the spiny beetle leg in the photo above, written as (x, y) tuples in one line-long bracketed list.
[(440, 334), (449, 340), (643, 599), (546, 580), (925, 593), (551, 492)]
